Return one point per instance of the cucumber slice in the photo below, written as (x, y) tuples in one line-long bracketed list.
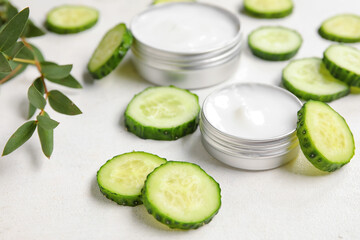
[(308, 79), (324, 136), (274, 43), (163, 113), (341, 28), (110, 51), (122, 177), (268, 8), (343, 62), (170, 1), (181, 195), (71, 19)]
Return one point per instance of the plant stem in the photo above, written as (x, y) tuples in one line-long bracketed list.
[(10, 75), (38, 66), (21, 60)]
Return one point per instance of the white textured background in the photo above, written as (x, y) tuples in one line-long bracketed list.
[(59, 198)]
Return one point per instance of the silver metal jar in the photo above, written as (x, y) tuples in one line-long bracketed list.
[(190, 70), (244, 153)]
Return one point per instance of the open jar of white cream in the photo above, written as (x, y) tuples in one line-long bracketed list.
[(251, 125), (189, 45)]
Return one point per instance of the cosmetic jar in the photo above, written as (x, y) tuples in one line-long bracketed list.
[(186, 44), (250, 126)]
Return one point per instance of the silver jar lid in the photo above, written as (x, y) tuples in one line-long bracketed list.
[(240, 141)]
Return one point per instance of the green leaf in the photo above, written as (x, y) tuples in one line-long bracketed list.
[(31, 30), (36, 98), (25, 53), (13, 29), (40, 87), (46, 137), (62, 104), (13, 66), (68, 81), (53, 71), (38, 54), (14, 50), (4, 64), (46, 122), (21, 135)]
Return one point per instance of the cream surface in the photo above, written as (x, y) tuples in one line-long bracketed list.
[(252, 111), (185, 27)]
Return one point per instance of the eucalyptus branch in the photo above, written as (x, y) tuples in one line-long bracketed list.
[(14, 57)]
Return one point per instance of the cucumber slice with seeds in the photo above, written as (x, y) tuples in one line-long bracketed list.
[(343, 62), (181, 195), (163, 113), (274, 43), (71, 19), (110, 51), (341, 28), (268, 8), (308, 79), (324, 136), (122, 177)]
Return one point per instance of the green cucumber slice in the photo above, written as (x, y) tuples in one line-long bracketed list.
[(274, 43), (181, 195), (163, 113), (341, 28), (170, 1), (324, 136), (71, 19), (269, 8), (343, 62), (121, 178), (110, 51), (308, 79)]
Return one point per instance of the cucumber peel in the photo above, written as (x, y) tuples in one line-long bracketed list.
[(269, 8), (341, 28), (110, 51), (66, 19), (308, 78), (121, 178), (324, 136), (163, 113), (274, 43), (181, 195), (343, 62)]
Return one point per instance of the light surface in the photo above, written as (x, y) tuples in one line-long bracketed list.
[(59, 198)]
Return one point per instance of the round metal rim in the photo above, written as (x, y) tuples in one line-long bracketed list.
[(276, 138)]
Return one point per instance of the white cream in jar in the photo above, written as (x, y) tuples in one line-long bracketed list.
[(185, 28), (252, 111)]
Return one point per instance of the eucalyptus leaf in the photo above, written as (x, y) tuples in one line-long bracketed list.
[(38, 54), (54, 71), (68, 81), (14, 50), (21, 135), (62, 104), (40, 87), (4, 64), (46, 122), (14, 65), (46, 137), (13, 29), (36, 98), (31, 30), (25, 53)]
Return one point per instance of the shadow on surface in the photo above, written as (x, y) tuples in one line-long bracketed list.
[(127, 71), (95, 191), (141, 213), (302, 166)]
